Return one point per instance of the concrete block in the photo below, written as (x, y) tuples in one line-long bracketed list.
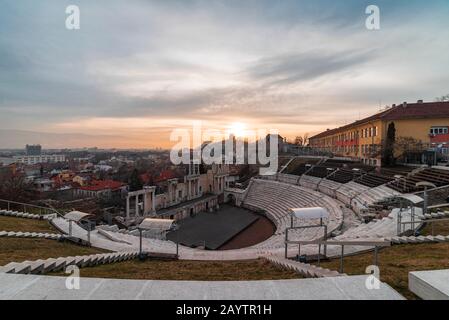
[(59, 264), (430, 285), (22, 268), (10, 267), (36, 267)]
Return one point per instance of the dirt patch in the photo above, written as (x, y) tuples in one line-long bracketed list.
[(396, 262), (25, 225), (190, 270), (21, 249), (259, 231)]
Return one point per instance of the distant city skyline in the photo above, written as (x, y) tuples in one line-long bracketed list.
[(136, 70)]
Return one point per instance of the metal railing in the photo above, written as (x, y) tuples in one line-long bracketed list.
[(342, 244), (287, 241), (28, 208)]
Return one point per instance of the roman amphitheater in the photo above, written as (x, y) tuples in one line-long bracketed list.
[(323, 210)]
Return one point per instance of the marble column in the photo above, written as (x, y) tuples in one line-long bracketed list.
[(188, 190), (153, 200), (169, 193), (127, 207)]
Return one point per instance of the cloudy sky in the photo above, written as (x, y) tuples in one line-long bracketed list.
[(138, 69)]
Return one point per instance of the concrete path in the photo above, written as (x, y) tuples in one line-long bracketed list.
[(15, 286)]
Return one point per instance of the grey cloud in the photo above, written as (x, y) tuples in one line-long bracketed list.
[(46, 75), (293, 68)]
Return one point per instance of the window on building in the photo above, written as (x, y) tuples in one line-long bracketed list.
[(439, 130)]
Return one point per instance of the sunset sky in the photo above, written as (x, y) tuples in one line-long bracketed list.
[(138, 69)]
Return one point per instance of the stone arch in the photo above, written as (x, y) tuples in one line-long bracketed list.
[(231, 199)]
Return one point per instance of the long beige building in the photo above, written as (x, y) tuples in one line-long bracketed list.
[(364, 139)]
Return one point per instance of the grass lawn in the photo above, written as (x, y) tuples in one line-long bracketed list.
[(21, 249), (396, 262), (24, 225), (440, 228), (190, 270), (439, 209)]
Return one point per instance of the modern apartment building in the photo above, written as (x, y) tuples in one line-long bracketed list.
[(29, 160)]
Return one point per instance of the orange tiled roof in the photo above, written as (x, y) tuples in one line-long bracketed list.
[(99, 185), (165, 175), (409, 111)]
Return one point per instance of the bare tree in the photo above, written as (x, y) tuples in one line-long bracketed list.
[(302, 140), (298, 141), (305, 138), (15, 188), (405, 145), (442, 98)]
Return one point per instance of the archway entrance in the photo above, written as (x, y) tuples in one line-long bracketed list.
[(231, 199)]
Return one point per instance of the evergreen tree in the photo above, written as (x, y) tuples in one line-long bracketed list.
[(388, 152), (134, 181)]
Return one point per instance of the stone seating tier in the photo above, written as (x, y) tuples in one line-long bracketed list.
[(276, 198)]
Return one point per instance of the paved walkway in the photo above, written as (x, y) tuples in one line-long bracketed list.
[(13, 286), (186, 253)]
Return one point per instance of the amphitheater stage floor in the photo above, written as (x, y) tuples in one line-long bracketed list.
[(213, 229), (35, 287)]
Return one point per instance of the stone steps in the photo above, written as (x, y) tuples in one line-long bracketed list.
[(25, 215), (58, 264), (40, 235), (383, 228), (304, 269), (277, 197), (435, 215), (419, 239)]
